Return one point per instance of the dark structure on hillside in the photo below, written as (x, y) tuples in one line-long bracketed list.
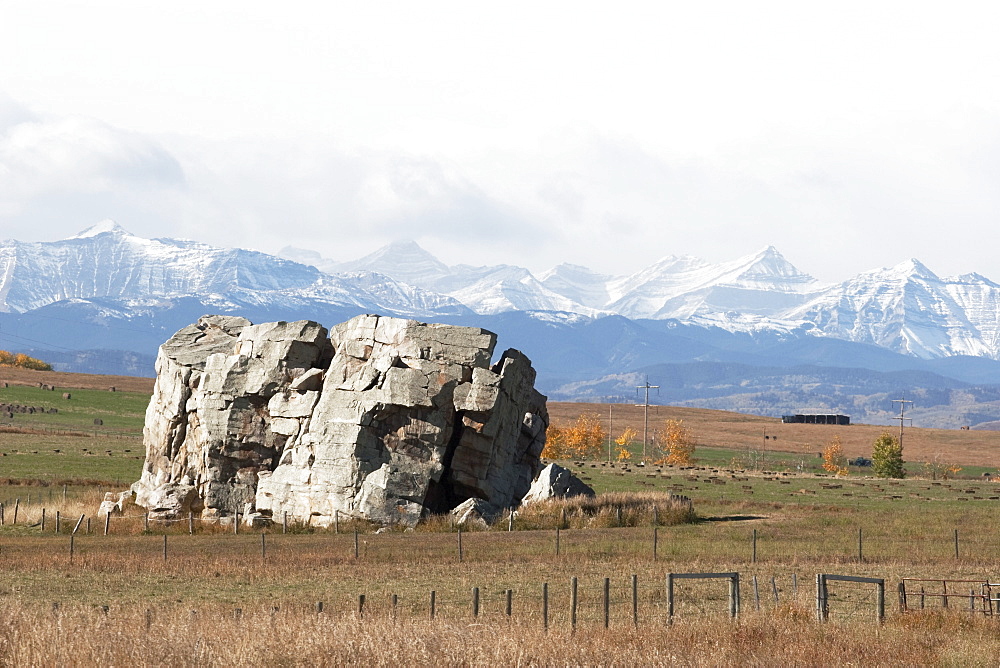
[(816, 418)]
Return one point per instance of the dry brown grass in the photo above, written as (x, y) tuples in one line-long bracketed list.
[(612, 509), (210, 635), (724, 429), (86, 381), (194, 593)]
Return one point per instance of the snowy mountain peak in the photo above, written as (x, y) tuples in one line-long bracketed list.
[(106, 226), (914, 268), (571, 270), (405, 261), (972, 278), (769, 265)]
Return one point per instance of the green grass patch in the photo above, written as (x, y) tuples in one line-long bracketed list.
[(119, 411)]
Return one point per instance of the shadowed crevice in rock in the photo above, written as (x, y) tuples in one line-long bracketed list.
[(380, 418)]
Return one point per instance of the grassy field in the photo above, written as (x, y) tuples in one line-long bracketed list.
[(95, 435), (217, 598)]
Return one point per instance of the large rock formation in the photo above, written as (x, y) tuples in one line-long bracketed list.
[(383, 419)]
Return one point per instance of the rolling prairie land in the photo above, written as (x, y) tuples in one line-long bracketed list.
[(194, 594)]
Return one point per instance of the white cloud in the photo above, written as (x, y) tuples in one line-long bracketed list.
[(849, 135), (77, 168)]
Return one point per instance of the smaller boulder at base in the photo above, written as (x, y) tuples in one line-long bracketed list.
[(476, 511), (556, 482)]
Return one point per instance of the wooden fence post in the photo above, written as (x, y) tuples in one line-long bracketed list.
[(572, 601), (956, 543), (545, 605), (361, 605), (734, 595), (656, 540), (43, 520), (820, 602), (107, 523), (190, 523), (17, 503), (78, 523), (433, 603), (164, 548), (607, 602), (670, 597), (881, 601), (508, 609), (635, 600), (263, 548), (460, 545), (71, 537), (475, 601), (355, 542), (58, 519), (146, 521)]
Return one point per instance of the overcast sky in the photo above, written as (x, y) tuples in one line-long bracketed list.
[(850, 136)]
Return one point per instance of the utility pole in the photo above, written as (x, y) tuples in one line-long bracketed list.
[(645, 414), (763, 453), (610, 429), (902, 410)]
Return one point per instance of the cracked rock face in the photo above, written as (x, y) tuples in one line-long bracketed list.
[(380, 418)]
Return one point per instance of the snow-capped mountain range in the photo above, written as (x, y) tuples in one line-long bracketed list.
[(107, 262), (105, 295), (905, 308)]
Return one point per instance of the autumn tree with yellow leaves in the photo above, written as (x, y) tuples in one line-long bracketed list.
[(834, 459), (22, 361), (624, 443), (584, 440), (676, 444)]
